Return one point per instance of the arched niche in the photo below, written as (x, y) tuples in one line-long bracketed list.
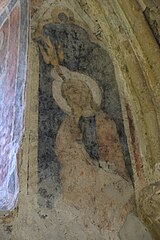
[(113, 26)]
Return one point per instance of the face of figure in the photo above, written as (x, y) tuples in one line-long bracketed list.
[(77, 94)]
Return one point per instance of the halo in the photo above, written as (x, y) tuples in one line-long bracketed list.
[(57, 82), (62, 10)]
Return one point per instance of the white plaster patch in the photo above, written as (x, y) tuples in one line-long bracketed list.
[(134, 229)]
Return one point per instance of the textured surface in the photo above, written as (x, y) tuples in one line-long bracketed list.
[(71, 191), (3, 3), (151, 10), (80, 155), (133, 229), (85, 57), (153, 17), (12, 83)]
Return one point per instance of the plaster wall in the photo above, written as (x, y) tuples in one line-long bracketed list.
[(13, 41), (48, 208)]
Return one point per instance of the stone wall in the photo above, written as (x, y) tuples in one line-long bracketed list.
[(151, 10)]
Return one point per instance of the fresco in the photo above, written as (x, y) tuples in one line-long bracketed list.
[(3, 3), (82, 154), (12, 83)]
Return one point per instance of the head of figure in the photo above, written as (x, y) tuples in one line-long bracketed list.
[(79, 97), (62, 15)]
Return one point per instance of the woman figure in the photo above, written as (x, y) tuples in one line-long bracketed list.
[(99, 189)]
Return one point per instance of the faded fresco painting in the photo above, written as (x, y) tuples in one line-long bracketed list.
[(3, 3), (13, 42), (83, 156)]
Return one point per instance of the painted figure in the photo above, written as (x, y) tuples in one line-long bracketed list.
[(79, 112), (86, 182)]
